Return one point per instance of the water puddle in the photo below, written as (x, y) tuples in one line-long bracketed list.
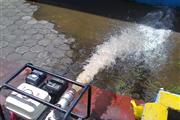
[(130, 76)]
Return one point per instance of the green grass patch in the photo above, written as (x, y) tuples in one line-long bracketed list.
[(174, 89)]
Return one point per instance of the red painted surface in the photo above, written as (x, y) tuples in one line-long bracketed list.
[(108, 106), (105, 105), (8, 68)]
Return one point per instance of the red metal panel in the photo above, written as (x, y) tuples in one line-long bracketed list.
[(108, 106)]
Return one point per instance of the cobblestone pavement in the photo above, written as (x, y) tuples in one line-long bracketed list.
[(24, 39)]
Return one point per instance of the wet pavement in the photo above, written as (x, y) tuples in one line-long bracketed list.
[(24, 39)]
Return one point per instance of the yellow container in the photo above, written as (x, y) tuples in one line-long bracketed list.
[(169, 100), (154, 111)]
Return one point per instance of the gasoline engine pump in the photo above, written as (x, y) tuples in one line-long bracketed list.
[(43, 96)]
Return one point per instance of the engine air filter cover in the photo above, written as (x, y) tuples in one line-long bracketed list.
[(24, 106)]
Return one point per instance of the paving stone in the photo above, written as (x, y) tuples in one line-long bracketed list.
[(27, 10), (31, 31), (33, 7), (47, 68), (37, 48), (4, 32), (26, 17), (43, 55), (20, 22), (3, 44), (39, 62), (69, 53), (61, 36), (51, 36), (70, 40), (50, 48), (18, 32), (57, 42), (54, 31), (10, 37), (2, 38), (14, 57), (44, 31), (16, 10), (29, 40), (22, 49), (37, 36), (58, 53), (64, 47), (66, 61), (37, 26), (19, 15), (11, 7), (10, 13), (33, 21), (15, 43), (43, 22), (25, 37), (12, 28), (2, 27), (9, 22), (49, 25), (62, 70), (51, 61), (14, 18), (44, 42), (25, 27), (3, 19), (6, 51), (18, 39), (29, 55), (23, 62), (30, 43), (29, 14), (26, 5)]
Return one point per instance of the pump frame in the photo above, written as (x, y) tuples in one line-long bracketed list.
[(85, 88)]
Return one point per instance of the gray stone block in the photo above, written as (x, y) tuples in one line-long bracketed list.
[(37, 48), (30, 43), (26, 18), (37, 36), (22, 49), (14, 57), (44, 42), (3, 44), (29, 55)]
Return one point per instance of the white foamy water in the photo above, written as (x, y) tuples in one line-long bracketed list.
[(137, 40)]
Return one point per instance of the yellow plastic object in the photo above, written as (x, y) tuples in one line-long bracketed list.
[(137, 109), (154, 111), (169, 100)]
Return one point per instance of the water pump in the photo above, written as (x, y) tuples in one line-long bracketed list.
[(43, 92)]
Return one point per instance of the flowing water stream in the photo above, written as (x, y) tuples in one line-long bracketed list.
[(131, 58)]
